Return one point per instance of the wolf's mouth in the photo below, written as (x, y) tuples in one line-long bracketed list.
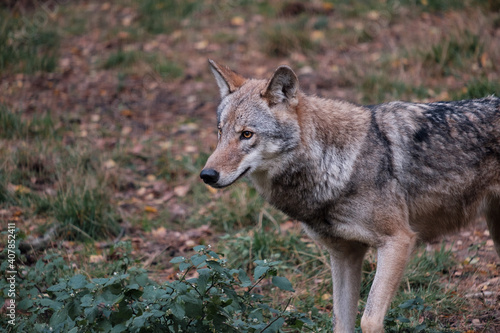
[(241, 175)]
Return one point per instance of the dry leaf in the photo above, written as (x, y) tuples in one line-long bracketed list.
[(165, 145), (22, 189), (126, 130), (150, 209), (94, 259), (317, 35), (237, 21), (181, 190), (142, 191), (126, 113), (110, 164), (211, 189), (160, 232), (201, 45), (190, 149)]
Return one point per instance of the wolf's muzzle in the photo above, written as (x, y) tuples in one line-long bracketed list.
[(209, 176)]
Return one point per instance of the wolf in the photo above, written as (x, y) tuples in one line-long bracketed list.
[(383, 176)]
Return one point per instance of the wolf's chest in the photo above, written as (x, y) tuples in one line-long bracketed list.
[(298, 196)]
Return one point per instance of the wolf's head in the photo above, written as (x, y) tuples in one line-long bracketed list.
[(257, 123)]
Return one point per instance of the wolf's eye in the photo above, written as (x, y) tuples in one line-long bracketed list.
[(246, 135), (220, 131)]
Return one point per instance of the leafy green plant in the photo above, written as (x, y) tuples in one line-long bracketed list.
[(219, 299), (394, 321), (408, 312)]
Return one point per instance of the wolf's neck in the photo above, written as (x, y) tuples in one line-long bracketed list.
[(320, 167)]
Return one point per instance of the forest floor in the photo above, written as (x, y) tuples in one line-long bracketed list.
[(108, 109)]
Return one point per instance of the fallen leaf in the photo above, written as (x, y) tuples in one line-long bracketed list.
[(94, 259), (181, 190), (126, 113), (201, 45), (237, 21), (160, 232), (165, 145), (137, 149), (127, 20), (22, 189), (211, 189), (142, 191), (167, 196), (484, 59), (123, 35), (109, 164), (126, 130), (317, 35), (150, 209), (190, 149)]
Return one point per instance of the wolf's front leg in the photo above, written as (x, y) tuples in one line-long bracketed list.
[(391, 261), (346, 260)]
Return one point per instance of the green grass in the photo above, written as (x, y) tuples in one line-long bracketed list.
[(161, 66), (439, 5), (421, 295), (282, 38), (121, 59), (378, 88), (306, 265), (12, 126), (478, 88), (455, 53), (85, 213), (28, 45), (359, 7), (163, 16), (167, 69), (221, 212), (80, 199)]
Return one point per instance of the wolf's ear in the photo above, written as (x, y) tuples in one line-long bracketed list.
[(282, 86), (227, 80)]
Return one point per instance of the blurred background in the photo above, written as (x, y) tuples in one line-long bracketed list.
[(107, 115)]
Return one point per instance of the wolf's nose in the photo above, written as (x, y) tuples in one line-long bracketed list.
[(209, 176)]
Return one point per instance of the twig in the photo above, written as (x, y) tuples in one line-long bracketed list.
[(272, 322), (482, 294)]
